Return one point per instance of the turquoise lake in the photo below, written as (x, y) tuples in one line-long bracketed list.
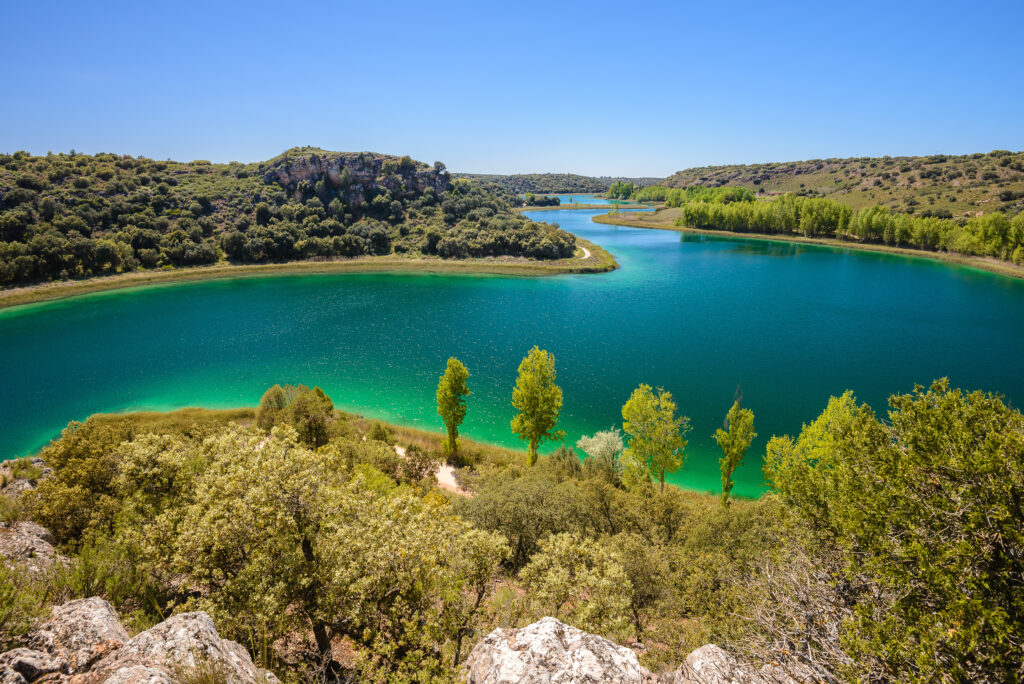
[(784, 325)]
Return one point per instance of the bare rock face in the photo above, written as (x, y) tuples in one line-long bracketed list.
[(363, 173), (26, 665), (84, 642), (80, 632), (29, 545), (13, 486), (711, 665), (187, 640), (550, 651)]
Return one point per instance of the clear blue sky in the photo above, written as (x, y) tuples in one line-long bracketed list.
[(591, 87)]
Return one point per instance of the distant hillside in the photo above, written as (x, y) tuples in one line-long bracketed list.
[(939, 185), (551, 183), (72, 216)]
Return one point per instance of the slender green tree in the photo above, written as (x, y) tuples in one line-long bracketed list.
[(538, 400), (451, 404), (734, 442), (656, 443)]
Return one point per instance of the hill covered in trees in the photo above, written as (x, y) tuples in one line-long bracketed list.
[(941, 185), (76, 216), (551, 183)]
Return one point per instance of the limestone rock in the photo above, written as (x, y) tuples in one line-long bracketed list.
[(80, 632), (709, 664), (186, 640), (28, 544), (138, 674), (29, 665), (550, 651), (13, 486)]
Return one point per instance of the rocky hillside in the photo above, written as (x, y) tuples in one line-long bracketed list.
[(69, 216), (939, 185), (83, 641)]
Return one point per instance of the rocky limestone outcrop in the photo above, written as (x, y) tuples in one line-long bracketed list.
[(29, 545), (84, 642), (709, 664), (360, 173), (12, 485), (550, 651)]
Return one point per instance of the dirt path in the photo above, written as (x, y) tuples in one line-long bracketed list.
[(445, 476), (586, 252)]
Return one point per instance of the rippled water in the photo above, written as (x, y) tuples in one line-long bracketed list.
[(783, 324)]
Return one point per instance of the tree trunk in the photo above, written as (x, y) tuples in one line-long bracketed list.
[(453, 442), (661, 478)]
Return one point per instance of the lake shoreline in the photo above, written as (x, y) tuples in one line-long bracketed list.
[(160, 421), (1001, 268), (590, 258)]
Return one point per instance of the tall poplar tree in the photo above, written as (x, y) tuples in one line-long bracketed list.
[(538, 400), (451, 404), (734, 443)]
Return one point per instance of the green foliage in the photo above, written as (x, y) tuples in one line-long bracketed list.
[(538, 401), (579, 581), (532, 200), (309, 411), (549, 183), (991, 235), (21, 604), (80, 496), (675, 197), (656, 443), (526, 509), (451, 405), (108, 214), (621, 190), (734, 442), (272, 403), (381, 433), (953, 186), (278, 537), (103, 568), (922, 514)]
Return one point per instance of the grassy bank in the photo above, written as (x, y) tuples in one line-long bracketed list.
[(599, 261), (664, 219), (194, 419)]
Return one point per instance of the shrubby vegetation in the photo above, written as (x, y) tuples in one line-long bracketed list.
[(549, 183), (532, 200), (990, 235), (76, 216), (939, 185), (886, 550)]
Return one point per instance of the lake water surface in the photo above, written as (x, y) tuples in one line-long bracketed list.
[(784, 325)]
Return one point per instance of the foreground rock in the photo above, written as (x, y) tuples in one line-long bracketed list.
[(549, 651), (711, 665), (29, 545), (85, 643), (13, 485)]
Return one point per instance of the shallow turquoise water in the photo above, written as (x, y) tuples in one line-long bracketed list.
[(785, 325)]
